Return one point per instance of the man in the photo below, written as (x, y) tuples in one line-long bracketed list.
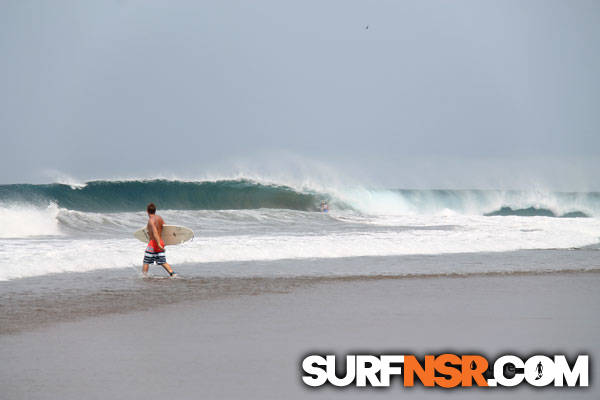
[(155, 251)]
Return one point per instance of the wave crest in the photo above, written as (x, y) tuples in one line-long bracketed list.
[(121, 196), (245, 194)]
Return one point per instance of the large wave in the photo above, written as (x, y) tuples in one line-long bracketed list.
[(243, 220), (118, 196), (240, 194)]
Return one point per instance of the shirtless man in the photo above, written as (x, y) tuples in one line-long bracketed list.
[(155, 251)]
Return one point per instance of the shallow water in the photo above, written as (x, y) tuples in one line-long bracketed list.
[(32, 302)]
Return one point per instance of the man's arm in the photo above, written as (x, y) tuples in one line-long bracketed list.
[(156, 235)]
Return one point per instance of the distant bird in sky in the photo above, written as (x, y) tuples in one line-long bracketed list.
[(367, 27)]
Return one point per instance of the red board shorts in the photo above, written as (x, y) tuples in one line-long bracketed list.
[(153, 254)]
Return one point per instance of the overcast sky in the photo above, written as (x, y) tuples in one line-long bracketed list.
[(407, 93)]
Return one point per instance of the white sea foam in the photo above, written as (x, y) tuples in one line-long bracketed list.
[(236, 236), (470, 202), (21, 220)]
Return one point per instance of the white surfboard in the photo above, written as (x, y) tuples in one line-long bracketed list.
[(171, 234)]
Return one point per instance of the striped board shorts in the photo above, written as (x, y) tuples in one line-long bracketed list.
[(150, 257)]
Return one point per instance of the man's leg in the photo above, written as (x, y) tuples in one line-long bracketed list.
[(145, 269), (168, 268)]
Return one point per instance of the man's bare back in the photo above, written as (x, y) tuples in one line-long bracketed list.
[(155, 227)]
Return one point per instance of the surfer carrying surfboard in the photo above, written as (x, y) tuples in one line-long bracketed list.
[(155, 251)]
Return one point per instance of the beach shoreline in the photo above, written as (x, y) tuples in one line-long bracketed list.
[(249, 342)]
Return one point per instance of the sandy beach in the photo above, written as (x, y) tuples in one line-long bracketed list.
[(248, 342)]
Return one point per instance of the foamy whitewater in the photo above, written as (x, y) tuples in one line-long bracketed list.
[(61, 228)]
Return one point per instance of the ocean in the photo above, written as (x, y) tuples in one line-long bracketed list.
[(61, 228)]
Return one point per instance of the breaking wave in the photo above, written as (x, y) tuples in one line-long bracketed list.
[(244, 194), (243, 221), (118, 196)]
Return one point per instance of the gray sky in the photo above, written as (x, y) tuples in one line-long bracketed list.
[(433, 93)]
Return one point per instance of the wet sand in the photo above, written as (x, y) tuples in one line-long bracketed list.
[(246, 338)]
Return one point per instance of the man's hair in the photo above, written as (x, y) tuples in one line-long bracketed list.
[(151, 208)]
